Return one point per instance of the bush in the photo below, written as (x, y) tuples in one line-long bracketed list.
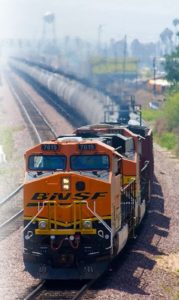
[(171, 111), (7, 141), (160, 126), (151, 114), (168, 140)]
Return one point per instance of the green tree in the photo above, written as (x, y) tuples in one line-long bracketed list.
[(171, 112), (171, 66)]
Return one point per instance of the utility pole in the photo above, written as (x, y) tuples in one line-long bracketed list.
[(124, 60), (154, 75), (124, 64), (100, 28)]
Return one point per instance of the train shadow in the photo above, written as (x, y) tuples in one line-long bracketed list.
[(138, 256)]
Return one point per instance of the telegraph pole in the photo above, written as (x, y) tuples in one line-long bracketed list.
[(154, 75), (124, 60), (100, 28)]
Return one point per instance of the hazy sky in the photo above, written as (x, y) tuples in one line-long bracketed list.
[(144, 19)]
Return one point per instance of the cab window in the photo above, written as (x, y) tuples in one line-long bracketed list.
[(47, 162), (89, 162)]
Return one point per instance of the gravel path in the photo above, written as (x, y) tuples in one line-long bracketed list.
[(148, 269)]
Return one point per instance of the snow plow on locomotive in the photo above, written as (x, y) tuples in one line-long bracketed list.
[(84, 195)]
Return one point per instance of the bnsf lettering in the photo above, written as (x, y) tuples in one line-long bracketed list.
[(81, 196), (67, 196), (97, 195), (60, 196), (40, 196)]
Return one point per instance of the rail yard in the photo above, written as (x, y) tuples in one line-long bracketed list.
[(141, 271)]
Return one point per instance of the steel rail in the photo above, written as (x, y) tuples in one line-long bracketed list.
[(83, 289), (25, 112), (64, 109), (35, 291), (35, 130), (11, 195), (11, 219), (65, 295), (5, 201), (42, 116)]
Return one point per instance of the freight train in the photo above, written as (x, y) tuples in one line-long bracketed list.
[(76, 96), (84, 196)]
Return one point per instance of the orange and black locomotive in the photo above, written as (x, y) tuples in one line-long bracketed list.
[(84, 195)]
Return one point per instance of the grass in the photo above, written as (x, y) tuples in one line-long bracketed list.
[(167, 290), (151, 114), (3, 171), (176, 297), (7, 141), (173, 295), (162, 136), (159, 256), (6, 134), (167, 140)]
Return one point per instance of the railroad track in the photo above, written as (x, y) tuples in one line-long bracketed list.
[(11, 207), (40, 130), (68, 113), (39, 126), (60, 290), (11, 213)]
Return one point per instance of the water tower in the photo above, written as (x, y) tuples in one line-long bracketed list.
[(49, 32)]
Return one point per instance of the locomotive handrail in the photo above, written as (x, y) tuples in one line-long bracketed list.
[(39, 211), (75, 202), (145, 166), (97, 216), (126, 186), (128, 202), (102, 221), (144, 181), (116, 149)]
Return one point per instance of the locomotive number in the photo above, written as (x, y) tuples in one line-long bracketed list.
[(49, 147), (87, 147)]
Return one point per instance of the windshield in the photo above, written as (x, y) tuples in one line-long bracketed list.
[(89, 162), (47, 162)]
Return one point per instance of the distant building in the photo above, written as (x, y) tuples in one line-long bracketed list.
[(159, 85)]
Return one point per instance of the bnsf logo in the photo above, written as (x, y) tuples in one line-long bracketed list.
[(67, 196)]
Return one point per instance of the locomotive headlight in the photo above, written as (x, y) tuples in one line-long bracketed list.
[(71, 237), (87, 224), (65, 184), (43, 224)]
